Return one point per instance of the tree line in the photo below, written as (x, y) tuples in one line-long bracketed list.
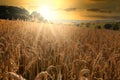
[(103, 25), (14, 13)]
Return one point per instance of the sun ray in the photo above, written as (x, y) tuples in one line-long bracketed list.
[(46, 12)]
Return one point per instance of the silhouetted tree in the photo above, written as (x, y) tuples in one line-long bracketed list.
[(77, 24), (116, 26), (35, 16), (87, 24), (13, 13), (108, 26), (98, 27)]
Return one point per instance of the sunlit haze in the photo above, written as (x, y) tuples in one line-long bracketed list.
[(71, 9), (46, 12)]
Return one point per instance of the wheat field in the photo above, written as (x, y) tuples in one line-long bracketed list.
[(42, 51)]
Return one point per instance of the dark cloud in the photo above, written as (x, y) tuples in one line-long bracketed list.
[(100, 0), (70, 9), (94, 10), (103, 17), (117, 8), (89, 10), (99, 10)]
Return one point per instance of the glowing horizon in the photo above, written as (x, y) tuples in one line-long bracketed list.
[(74, 9), (46, 12)]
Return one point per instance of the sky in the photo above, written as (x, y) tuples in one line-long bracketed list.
[(73, 9)]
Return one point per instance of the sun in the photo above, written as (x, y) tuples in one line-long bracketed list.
[(46, 12)]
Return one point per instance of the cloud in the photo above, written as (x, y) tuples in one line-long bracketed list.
[(117, 8), (75, 9), (99, 0), (99, 10), (70, 9), (103, 17), (67, 9)]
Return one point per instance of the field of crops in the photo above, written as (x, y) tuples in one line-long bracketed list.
[(41, 51)]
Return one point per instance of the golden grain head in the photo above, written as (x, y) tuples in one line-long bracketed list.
[(84, 71), (38, 51)]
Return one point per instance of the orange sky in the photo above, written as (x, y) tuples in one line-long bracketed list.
[(73, 9)]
